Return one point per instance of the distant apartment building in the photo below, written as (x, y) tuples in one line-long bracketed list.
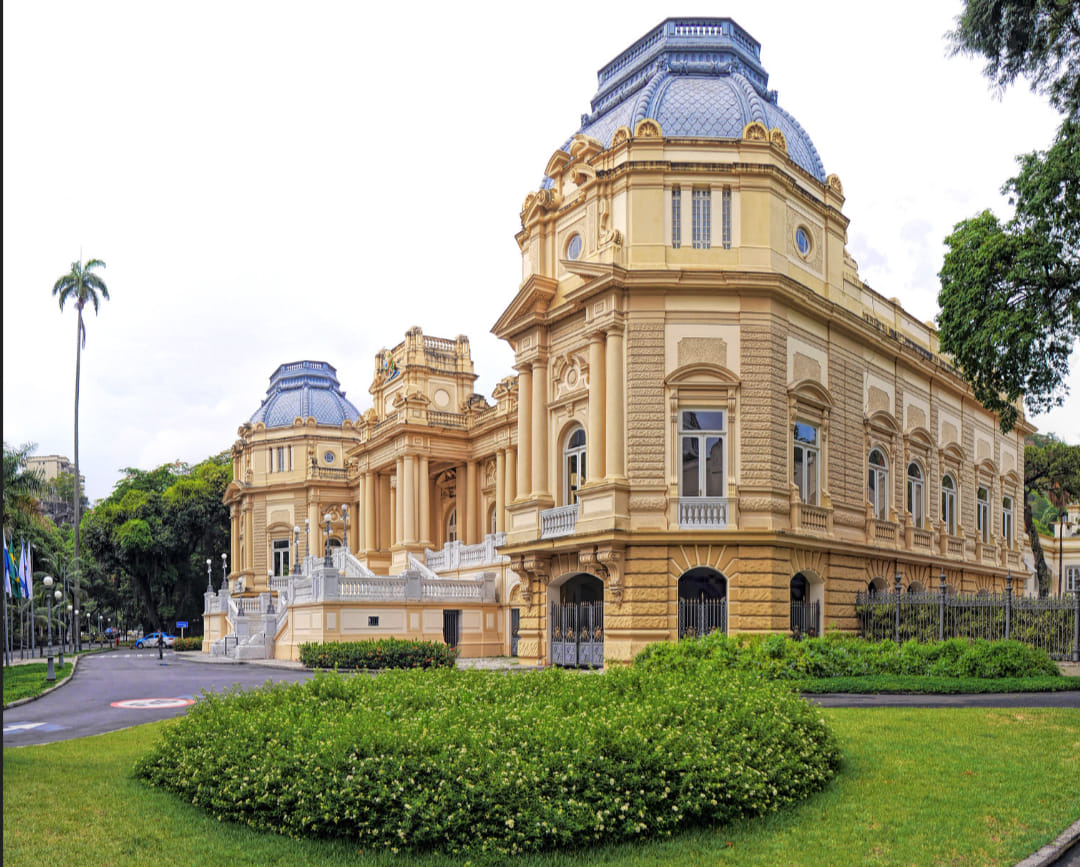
[(53, 506)]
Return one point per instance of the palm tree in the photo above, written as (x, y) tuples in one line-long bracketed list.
[(22, 487), (80, 285)]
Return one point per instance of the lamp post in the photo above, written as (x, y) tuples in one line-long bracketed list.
[(270, 587), (345, 519), (77, 643), (224, 571), (209, 579), (328, 563), (307, 538), (67, 632), (296, 551), (50, 672), (58, 596)]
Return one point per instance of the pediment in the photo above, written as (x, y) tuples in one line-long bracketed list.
[(812, 393), (701, 373), (529, 305), (921, 436), (883, 422)]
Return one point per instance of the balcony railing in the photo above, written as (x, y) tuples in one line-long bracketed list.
[(558, 522), (885, 532), (455, 555), (955, 546), (922, 538), (814, 518), (703, 513)]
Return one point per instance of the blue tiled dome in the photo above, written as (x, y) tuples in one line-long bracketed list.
[(303, 389), (700, 78)]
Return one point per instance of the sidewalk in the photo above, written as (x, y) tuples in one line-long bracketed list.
[(484, 663)]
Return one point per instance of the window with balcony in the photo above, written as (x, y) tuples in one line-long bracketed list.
[(982, 514), (948, 504), (877, 486), (805, 462), (702, 484), (1007, 521), (281, 557), (702, 219), (915, 495), (573, 465), (676, 217)]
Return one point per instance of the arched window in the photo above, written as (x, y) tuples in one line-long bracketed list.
[(915, 499), (1007, 521), (877, 585), (982, 514), (877, 488), (948, 504), (451, 526), (573, 465)]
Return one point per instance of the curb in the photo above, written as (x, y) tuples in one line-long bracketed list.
[(64, 682), (1049, 853)]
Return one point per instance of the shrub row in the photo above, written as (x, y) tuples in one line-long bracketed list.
[(185, 644), (837, 655), (489, 765), (378, 654)]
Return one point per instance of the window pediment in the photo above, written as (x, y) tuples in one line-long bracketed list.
[(702, 373), (809, 392), (952, 453), (883, 423), (920, 438)]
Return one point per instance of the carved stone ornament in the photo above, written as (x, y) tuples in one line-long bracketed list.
[(548, 199), (647, 128), (755, 131), (622, 134), (605, 235), (833, 183), (610, 560), (778, 140)]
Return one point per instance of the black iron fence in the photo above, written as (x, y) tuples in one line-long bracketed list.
[(1051, 623), (698, 617), (805, 619)]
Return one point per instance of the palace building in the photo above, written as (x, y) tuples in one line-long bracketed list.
[(712, 421)]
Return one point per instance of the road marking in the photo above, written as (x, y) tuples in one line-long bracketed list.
[(153, 703), (18, 727)]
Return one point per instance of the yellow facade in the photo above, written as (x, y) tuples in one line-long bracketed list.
[(737, 407)]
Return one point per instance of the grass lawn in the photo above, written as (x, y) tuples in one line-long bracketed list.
[(23, 681), (944, 786), (900, 683)]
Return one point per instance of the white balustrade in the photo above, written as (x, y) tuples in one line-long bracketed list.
[(703, 513), (558, 522)]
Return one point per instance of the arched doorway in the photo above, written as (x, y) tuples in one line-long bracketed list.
[(805, 609), (702, 602), (577, 623)]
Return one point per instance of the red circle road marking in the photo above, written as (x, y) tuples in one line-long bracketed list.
[(153, 703)]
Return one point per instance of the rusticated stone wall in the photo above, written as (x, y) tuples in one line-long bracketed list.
[(645, 403), (763, 361)]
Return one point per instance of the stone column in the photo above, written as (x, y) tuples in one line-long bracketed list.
[(469, 537), (425, 501), (500, 492), (397, 499), (511, 474), (524, 464), (464, 502), (407, 499), (596, 440), (234, 541), (540, 429), (371, 543), (316, 532), (613, 367)]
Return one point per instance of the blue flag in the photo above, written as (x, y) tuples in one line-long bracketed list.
[(11, 571), (24, 570), (7, 577)]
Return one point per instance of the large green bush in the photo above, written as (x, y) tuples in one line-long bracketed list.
[(188, 644), (493, 764), (378, 654), (837, 655)]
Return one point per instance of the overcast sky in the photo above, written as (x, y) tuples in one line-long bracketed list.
[(269, 182)]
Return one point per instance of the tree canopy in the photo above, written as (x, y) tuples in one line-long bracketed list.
[(156, 531), (1037, 39), (1010, 292)]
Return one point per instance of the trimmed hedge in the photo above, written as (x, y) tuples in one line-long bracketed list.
[(187, 644), (838, 655), (485, 764), (378, 654)]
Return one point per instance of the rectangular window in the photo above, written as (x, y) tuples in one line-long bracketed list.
[(701, 441), (702, 219), (676, 217), (281, 557), (725, 218), (982, 514), (805, 462), (373, 620), (948, 505), (281, 459), (1072, 579), (1007, 521)]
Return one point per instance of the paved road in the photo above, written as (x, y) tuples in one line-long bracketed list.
[(84, 707)]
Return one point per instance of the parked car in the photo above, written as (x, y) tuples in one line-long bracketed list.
[(151, 640)]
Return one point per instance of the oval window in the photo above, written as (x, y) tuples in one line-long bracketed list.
[(802, 241), (573, 246)]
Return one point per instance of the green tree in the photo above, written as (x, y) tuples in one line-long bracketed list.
[(1052, 469), (79, 286), (1037, 39), (156, 530), (1010, 293), (64, 486), (23, 488)]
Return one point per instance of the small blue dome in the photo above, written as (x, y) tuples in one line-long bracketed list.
[(697, 78), (303, 389)]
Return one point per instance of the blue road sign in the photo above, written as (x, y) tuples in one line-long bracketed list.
[(181, 624)]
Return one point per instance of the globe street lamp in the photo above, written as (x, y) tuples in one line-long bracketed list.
[(78, 638), (58, 595), (328, 563), (209, 577), (67, 631), (307, 538), (50, 672), (296, 551), (224, 571)]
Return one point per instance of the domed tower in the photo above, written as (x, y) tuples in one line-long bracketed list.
[(289, 471), (705, 385)]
